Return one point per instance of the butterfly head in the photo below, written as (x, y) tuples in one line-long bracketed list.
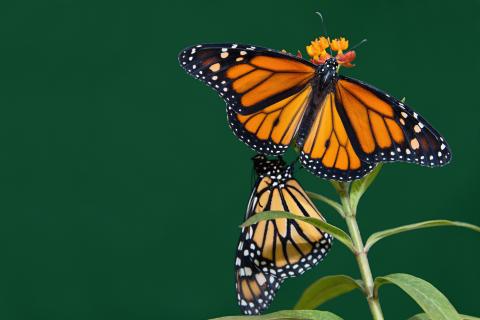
[(331, 64), (327, 73), (274, 168)]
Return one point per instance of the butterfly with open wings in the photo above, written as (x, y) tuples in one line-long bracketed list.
[(342, 126)]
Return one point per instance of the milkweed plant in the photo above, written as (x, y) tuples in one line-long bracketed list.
[(434, 304)]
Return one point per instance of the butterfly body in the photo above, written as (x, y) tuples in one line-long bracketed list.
[(342, 126), (326, 74), (322, 83)]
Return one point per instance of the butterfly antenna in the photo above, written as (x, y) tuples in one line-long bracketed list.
[(358, 44), (324, 27)]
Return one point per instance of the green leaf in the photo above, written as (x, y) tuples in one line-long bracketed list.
[(359, 187), (377, 236), (432, 301), (423, 316), (325, 289), (338, 233), (288, 315), (334, 204)]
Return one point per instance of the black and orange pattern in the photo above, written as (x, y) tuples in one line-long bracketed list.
[(342, 126)]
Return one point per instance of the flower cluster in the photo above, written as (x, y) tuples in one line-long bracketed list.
[(317, 50)]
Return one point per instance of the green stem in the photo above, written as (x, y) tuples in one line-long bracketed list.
[(360, 253)]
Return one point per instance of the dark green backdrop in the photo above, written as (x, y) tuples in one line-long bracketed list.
[(121, 185)]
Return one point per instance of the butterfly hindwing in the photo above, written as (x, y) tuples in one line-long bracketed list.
[(328, 151), (384, 129), (255, 288), (271, 130)]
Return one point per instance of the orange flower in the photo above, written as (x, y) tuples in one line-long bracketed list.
[(317, 51), (339, 45), (317, 47), (345, 60)]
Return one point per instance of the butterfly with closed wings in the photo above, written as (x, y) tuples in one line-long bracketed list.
[(270, 251), (342, 126)]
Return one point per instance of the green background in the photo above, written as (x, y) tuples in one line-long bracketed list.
[(122, 187)]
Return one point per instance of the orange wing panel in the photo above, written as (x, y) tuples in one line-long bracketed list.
[(281, 65), (368, 98), (371, 118), (276, 84), (279, 121), (249, 81), (238, 70)]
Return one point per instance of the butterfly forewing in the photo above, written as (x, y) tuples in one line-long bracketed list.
[(385, 129), (248, 78)]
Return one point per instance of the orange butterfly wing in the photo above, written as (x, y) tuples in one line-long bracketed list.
[(285, 248), (358, 126), (269, 101), (255, 288), (267, 92), (327, 150), (384, 129), (271, 130)]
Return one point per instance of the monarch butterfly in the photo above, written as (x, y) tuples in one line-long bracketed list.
[(342, 126), (271, 251)]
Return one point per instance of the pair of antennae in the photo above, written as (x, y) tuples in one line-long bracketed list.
[(324, 27)]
